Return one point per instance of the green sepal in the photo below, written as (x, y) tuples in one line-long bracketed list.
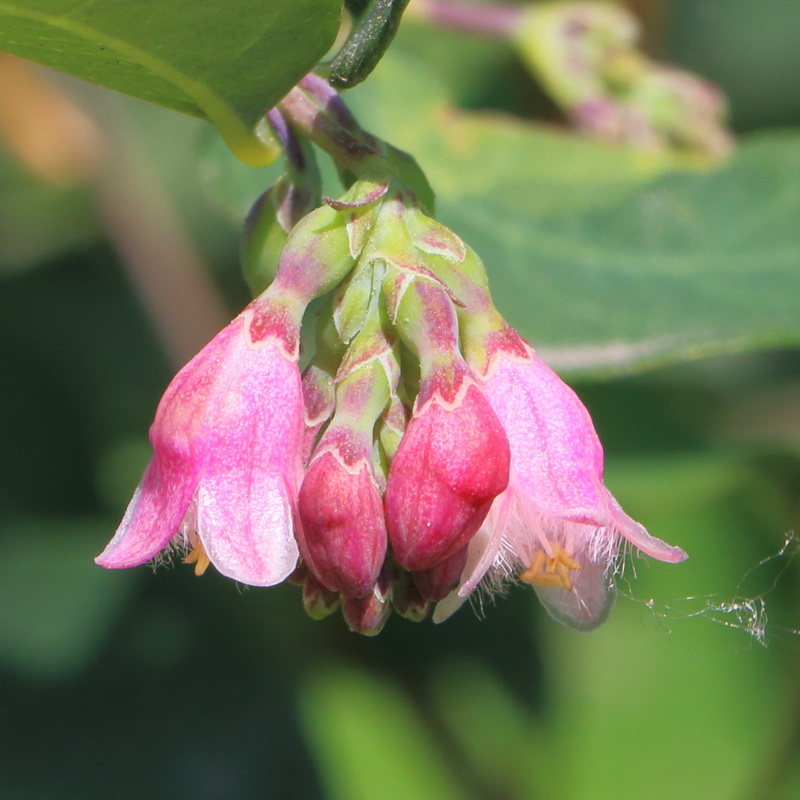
[(263, 240)]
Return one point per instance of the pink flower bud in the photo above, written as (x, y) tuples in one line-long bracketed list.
[(438, 581), (343, 536), (227, 441), (451, 464), (368, 614)]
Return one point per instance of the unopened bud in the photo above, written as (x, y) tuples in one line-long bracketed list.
[(438, 581), (451, 464), (407, 600), (318, 402), (343, 529), (368, 614), (318, 601)]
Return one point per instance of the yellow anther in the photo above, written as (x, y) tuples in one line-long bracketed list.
[(198, 557), (537, 564), (541, 579), (568, 562), (563, 573), (551, 571)]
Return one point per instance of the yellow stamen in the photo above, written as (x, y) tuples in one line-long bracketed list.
[(198, 557), (568, 562), (541, 579), (563, 573), (551, 571), (537, 565)]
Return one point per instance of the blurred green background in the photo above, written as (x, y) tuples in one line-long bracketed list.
[(118, 260)]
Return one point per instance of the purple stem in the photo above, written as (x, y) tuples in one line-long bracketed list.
[(495, 20), (318, 112), (292, 148)]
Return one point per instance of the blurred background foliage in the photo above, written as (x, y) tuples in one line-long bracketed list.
[(118, 260)]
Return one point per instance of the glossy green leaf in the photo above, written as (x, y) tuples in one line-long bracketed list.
[(601, 258), (225, 62)]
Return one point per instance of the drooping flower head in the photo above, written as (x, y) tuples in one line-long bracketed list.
[(425, 450)]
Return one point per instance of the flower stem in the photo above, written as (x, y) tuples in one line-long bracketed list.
[(493, 20), (367, 43), (315, 109)]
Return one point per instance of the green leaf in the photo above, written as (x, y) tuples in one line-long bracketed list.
[(225, 62), (602, 258), (368, 741)]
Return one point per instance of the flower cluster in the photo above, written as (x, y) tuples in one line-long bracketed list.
[(586, 55), (423, 451)]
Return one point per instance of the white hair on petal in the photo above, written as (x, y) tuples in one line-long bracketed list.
[(184, 540), (528, 531)]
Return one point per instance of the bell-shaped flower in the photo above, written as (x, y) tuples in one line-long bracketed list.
[(227, 441), (228, 433), (556, 526)]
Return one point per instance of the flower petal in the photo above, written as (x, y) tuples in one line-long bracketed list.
[(486, 543), (637, 535), (178, 436), (153, 515), (590, 601), (252, 542), (556, 457), (248, 490)]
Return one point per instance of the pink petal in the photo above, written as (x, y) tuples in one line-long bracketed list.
[(153, 515), (637, 535), (251, 542), (486, 543), (589, 603), (556, 457), (178, 437), (250, 479)]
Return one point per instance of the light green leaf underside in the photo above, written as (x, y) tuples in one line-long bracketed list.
[(602, 260), (225, 62)]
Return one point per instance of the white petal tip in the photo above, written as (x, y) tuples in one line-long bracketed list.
[(447, 607)]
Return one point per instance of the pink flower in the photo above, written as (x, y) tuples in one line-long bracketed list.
[(227, 441), (556, 525)]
